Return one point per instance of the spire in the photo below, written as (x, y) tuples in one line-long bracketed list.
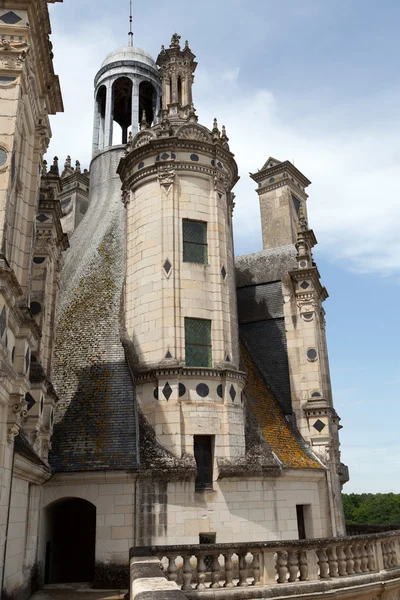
[(130, 34)]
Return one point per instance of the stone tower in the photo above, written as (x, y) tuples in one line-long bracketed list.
[(285, 231), (180, 304)]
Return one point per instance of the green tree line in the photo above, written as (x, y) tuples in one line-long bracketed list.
[(372, 508)]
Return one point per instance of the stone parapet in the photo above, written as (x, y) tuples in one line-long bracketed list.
[(148, 581), (361, 566)]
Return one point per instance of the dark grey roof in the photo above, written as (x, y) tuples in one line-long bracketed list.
[(23, 447), (95, 420), (266, 342), (260, 302), (264, 266)]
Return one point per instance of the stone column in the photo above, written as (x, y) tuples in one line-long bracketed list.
[(108, 126), (135, 105)]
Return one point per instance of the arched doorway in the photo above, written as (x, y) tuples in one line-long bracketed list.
[(70, 541)]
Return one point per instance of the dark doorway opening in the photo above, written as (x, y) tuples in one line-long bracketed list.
[(70, 541)]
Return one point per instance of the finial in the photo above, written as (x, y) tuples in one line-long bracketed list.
[(192, 114), (143, 122), (224, 136), (67, 162), (130, 34), (44, 170), (175, 41), (187, 45), (55, 161), (215, 130), (77, 166), (162, 49)]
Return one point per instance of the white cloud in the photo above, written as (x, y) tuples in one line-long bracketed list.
[(353, 206)]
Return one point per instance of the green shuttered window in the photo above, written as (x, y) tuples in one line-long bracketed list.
[(195, 241), (198, 348)]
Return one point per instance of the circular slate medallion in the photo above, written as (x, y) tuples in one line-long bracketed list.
[(182, 390), (203, 390), (220, 390), (155, 393), (312, 354), (3, 157)]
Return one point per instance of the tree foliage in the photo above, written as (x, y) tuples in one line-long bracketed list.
[(372, 508)]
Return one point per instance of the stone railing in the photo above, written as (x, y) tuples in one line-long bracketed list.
[(317, 565)]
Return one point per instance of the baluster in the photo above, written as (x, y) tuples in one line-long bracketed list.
[(323, 563), (384, 555), (333, 562), (187, 573), (303, 566), (364, 558), (357, 559), (256, 568), (293, 562), (371, 557), (172, 570), (349, 560), (390, 554), (342, 565), (215, 572), (201, 572), (228, 571), (242, 570), (394, 554), (281, 567)]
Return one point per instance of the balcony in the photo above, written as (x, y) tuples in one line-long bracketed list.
[(361, 566)]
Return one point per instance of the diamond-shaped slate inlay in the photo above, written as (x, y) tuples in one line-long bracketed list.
[(304, 285), (319, 425), (27, 360), (168, 355), (223, 272), (232, 393), (41, 405), (10, 18), (42, 218), (228, 358), (167, 391), (30, 401), (219, 195), (167, 266), (166, 187)]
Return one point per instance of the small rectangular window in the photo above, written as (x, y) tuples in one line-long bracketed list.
[(301, 524), (195, 242), (204, 462), (198, 349)]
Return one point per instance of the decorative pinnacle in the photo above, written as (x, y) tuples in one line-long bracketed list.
[(187, 45), (215, 130), (303, 225), (175, 41), (224, 137), (67, 161), (143, 122), (77, 166), (44, 171)]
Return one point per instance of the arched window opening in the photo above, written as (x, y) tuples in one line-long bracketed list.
[(69, 539), (122, 96), (180, 99), (101, 114), (147, 100)]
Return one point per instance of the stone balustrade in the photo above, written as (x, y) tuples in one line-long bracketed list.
[(299, 566)]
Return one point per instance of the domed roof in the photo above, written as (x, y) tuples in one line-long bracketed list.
[(129, 53)]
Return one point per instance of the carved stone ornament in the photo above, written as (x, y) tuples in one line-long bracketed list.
[(143, 140), (166, 176), (45, 241), (126, 197), (17, 411), (193, 133), (220, 183)]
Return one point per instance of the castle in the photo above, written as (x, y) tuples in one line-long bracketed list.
[(155, 389)]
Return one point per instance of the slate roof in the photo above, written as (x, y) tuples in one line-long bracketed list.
[(23, 447), (284, 441), (95, 420)]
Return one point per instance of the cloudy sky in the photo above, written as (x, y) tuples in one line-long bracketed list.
[(315, 82)]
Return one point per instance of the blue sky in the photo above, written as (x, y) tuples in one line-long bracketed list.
[(316, 82)]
